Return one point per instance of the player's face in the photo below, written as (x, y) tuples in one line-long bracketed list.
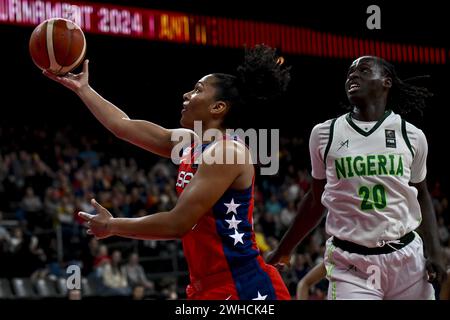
[(197, 102), (365, 79)]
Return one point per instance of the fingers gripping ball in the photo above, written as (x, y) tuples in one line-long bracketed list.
[(57, 45)]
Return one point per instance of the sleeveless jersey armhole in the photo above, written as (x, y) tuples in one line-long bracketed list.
[(405, 137), (330, 140)]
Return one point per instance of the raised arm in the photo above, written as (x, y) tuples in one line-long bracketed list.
[(144, 134), (204, 189)]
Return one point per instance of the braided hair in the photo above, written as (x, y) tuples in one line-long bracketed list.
[(404, 96), (259, 80)]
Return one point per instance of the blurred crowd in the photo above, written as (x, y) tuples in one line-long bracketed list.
[(48, 175)]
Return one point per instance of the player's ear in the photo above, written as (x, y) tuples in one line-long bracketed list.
[(219, 107), (387, 82)]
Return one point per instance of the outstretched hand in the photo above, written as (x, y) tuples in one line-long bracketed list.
[(98, 224), (74, 82)]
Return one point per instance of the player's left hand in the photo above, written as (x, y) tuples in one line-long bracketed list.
[(98, 224), (435, 270)]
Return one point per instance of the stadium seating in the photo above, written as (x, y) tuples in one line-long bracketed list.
[(45, 288), (5, 289), (23, 288)]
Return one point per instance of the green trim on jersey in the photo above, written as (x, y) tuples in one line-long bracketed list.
[(330, 140), (349, 119), (329, 268), (405, 136)]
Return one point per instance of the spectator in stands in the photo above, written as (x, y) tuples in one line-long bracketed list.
[(444, 234), (32, 207), (260, 239), (102, 256), (16, 240), (37, 259), (287, 215), (138, 293), (30, 202), (74, 294), (5, 237), (273, 205), (300, 266), (136, 275), (114, 277), (89, 255)]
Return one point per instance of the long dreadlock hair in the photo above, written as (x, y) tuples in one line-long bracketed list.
[(404, 96)]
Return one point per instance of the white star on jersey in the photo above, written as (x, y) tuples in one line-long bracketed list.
[(233, 223), (260, 297), (231, 206), (237, 237)]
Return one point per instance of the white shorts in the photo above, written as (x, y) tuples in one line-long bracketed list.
[(400, 275)]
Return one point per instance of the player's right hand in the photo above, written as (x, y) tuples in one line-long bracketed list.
[(435, 270), (98, 224), (75, 82)]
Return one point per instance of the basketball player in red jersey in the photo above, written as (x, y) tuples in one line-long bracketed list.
[(213, 215)]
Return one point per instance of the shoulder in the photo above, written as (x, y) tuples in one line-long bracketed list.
[(322, 130), (226, 145), (227, 152), (412, 129), (184, 136), (323, 125), (412, 132)]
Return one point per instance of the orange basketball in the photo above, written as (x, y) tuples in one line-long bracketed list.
[(57, 45)]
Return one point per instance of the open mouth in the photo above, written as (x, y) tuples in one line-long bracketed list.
[(184, 109), (353, 87)]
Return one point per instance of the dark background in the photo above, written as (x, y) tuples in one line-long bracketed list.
[(147, 79)]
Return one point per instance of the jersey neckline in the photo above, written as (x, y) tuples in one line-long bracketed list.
[(350, 121)]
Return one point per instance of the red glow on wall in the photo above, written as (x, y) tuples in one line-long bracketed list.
[(169, 26)]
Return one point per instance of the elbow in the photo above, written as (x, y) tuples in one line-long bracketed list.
[(118, 129), (180, 229), (179, 235), (179, 222), (176, 230)]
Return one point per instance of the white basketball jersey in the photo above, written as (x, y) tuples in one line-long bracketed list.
[(367, 193)]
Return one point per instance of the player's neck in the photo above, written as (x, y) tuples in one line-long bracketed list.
[(369, 112), (213, 126)]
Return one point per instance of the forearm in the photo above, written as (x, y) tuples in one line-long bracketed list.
[(309, 215), (159, 226), (144, 134), (428, 228), (105, 112), (302, 291)]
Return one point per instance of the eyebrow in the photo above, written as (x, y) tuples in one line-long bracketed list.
[(360, 63), (364, 63)]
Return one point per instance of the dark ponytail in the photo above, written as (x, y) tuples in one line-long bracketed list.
[(259, 81)]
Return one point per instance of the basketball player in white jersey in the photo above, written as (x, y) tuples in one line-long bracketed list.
[(369, 170)]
